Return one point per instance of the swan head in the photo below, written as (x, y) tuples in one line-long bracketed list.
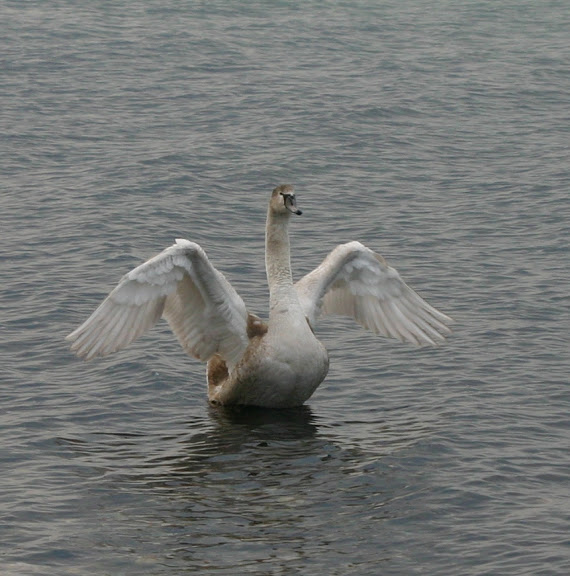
[(283, 201)]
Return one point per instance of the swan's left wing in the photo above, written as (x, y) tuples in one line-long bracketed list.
[(355, 281), (180, 284)]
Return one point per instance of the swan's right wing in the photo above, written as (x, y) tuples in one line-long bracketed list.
[(354, 281), (203, 310)]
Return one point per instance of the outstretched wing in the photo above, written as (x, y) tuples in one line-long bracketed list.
[(354, 281), (203, 310)]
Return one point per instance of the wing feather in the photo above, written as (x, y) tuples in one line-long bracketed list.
[(354, 281), (203, 310)]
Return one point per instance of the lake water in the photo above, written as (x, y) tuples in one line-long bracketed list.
[(435, 133)]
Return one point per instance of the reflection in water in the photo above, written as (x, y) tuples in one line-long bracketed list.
[(289, 423), (240, 438), (237, 487), (263, 485)]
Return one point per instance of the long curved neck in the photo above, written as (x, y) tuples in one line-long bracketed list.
[(277, 257)]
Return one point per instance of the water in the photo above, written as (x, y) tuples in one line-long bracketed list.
[(437, 136)]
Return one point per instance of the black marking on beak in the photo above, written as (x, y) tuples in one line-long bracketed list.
[(291, 203)]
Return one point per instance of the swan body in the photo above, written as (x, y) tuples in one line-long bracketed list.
[(278, 363)]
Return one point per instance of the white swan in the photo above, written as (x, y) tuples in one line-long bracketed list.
[(275, 364)]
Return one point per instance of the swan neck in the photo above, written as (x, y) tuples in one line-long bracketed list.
[(277, 254)]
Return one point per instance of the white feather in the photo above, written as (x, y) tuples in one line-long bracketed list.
[(354, 281), (204, 311)]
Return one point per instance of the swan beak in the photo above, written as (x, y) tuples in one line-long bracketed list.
[(291, 204)]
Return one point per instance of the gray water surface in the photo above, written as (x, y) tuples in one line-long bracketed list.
[(437, 135)]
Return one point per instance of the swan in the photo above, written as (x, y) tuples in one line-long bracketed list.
[(273, 364)]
